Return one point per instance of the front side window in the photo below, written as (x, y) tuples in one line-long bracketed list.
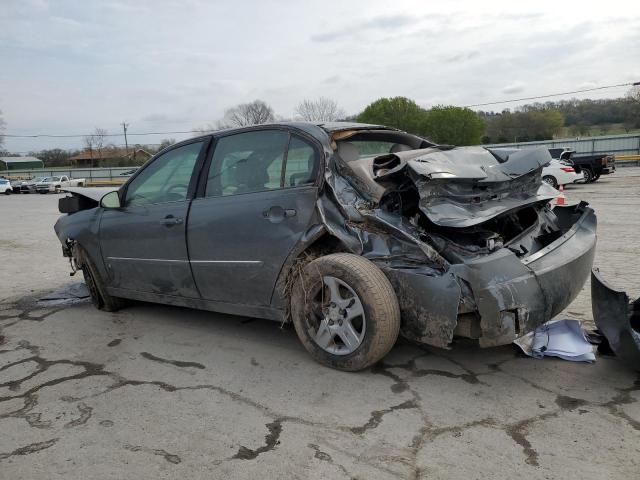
[(166, 179), (247, 162)]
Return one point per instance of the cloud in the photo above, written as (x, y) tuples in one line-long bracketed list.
[(516, 87), (461, 57), (165, 65), (332, 79), (384, 22)]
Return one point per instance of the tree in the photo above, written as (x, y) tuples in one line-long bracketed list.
[(453, 126), (166, 142), (525, 126), (95, 141), (322, 109), (634, 94), (54, 157), (399, 112), (254, 113)]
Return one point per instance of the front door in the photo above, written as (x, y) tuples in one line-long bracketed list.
[(259, 200), (143, 243)]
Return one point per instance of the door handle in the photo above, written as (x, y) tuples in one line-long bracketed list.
[(170, 220), (277, 213)]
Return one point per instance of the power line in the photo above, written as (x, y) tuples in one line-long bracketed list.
[(553, 94), (183, 132), (77, 135)]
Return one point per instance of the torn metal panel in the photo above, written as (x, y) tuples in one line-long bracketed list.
[(618, 318), (429, 302), (463, 187)]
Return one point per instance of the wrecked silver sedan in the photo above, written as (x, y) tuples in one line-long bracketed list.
[(355, 233)]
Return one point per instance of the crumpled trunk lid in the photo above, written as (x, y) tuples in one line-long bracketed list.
[(462, 187)]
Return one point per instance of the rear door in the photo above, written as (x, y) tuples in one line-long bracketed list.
[(259, 199), (143, 243)]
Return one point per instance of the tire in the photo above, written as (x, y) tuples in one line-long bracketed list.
[(56, 189), (7, 192), (551, 180), (588, 175), (97, 290), (361, 287)]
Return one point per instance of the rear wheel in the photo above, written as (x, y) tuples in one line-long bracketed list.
[(345, 311), (97, 290), (551, 180), (588, 175)]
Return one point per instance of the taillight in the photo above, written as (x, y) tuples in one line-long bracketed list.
[(605, 161), (568, 169)]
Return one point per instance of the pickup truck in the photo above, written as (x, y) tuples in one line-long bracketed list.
[(56, 184), (591, 166)]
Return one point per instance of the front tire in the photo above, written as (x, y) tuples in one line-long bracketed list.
[(345, 311), (551, 180), (97, 289)]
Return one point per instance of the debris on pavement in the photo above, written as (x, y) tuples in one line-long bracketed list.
[(564, 339), (618, 318), (69, 295)]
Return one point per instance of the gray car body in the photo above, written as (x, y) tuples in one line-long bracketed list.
[(236, 257)]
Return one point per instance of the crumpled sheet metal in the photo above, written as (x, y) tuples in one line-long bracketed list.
[(510, 296), (618, 318), (463, 187)]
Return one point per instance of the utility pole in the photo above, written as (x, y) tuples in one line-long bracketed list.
[(126, 144)]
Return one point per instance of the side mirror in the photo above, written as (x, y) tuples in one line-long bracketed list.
[(110, 200)]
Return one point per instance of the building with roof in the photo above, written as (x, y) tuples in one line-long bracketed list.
[(110, 157), (20, 163)]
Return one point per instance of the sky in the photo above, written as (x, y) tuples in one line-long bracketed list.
[(69, 66)]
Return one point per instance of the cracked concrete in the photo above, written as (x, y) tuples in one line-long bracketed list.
[(160, 392)]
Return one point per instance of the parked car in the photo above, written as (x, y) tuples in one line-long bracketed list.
[(558, 173), (353, 232), (590, 166), (56, 184), (26, 186), (5, 186)]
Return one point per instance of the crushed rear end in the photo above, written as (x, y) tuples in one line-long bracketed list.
[(469, 240)]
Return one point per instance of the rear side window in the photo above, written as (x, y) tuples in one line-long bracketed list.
[(255, 162), (302, 163), (247, 162)]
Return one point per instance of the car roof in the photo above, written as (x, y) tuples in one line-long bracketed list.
[(318, 130)]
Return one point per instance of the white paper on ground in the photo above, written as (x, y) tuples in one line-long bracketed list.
[(560, 338)]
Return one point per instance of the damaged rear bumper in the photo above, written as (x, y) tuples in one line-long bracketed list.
[(497, 297), (617, 318)]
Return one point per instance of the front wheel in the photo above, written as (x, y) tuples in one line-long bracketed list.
[(551, 180), (97, 289), (7, 192), (345, 311)]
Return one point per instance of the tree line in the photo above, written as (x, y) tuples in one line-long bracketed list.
[(443, 124)]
